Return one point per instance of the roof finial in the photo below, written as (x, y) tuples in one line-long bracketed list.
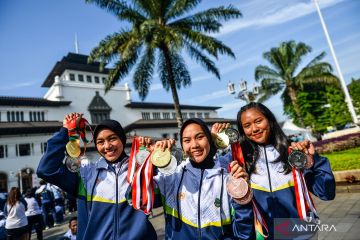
[(76, 44)]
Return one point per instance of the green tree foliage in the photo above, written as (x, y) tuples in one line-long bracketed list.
[(354, 89), (321, 105), (287, 74), (159, 30)]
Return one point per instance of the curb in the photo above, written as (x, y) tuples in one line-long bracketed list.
[(340, 176)]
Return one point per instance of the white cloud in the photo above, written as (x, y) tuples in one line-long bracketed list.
[(18, 85), (274, 15)]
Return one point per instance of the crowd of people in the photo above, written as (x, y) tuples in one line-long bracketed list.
[(34, 210), (196, 202)]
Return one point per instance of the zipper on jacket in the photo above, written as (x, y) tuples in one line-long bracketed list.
[(268, 171), (271, 192), (116, 204), (199, 198)]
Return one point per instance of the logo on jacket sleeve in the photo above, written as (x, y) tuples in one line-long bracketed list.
[(217, 202), (181, 196)]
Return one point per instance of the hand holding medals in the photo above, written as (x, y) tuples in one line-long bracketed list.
[(237, 185), (75, 124), (301, 155), (223, 135)]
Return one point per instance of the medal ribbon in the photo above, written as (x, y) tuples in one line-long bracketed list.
[(237, 154), (304, 203), (76, 129), (259, 222), (142, 187), (132, 161)]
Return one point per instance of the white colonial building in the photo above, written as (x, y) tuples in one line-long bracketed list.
[(76, 86)]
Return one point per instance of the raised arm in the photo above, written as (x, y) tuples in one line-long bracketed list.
[(51, 167)]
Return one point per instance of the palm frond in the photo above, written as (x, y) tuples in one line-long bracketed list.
[(179, 7), (207, 26), (143, 73), (203, 60), (107, 49), (128, 56), (269, 87), (179, 73), (207, 43), (209, 20), (262, 72), (316, 60), (121, 10)]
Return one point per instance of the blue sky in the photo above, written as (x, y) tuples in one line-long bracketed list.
[(35, 34)]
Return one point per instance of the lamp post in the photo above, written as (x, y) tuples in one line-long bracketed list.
[(342, 81), (243, 93)]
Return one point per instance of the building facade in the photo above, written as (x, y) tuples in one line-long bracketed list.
[(76, 86)]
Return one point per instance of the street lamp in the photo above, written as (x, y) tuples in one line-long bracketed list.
[(244, 94)]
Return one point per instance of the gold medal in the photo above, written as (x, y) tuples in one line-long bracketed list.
[(160, 158), (73, 148), (222, 140)]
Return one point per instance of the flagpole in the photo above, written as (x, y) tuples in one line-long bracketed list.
[(342, 81)]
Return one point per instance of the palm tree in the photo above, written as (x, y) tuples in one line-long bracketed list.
[(160, 30), (286, 74)]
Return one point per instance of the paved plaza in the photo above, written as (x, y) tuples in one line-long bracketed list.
[(343, 213)]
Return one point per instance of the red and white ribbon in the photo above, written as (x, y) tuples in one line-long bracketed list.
[(132, 161), (304, 203), (142, 187)]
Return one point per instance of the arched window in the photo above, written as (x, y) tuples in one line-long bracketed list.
[(3, 182)]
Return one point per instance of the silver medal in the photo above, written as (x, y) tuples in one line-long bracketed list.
[(141, 156), (73, 164), (297, 159), (232, 134)]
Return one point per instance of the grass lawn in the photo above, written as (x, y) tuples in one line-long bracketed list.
[(344, 160)]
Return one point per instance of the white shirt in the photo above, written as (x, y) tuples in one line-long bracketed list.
[(69, 235), (16, 217), (32, 207)]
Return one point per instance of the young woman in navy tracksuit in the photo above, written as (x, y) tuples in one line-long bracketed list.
[(195, 200), (265, 148), (100, 186)]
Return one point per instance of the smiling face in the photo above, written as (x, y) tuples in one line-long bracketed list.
[(256, 126), (195, 143), (109, 145)]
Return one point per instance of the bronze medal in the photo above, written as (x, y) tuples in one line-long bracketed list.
[(232, 134), (73, 148), (237, 187), (297, 160), (222, 140), (247, 198), (161, 158)]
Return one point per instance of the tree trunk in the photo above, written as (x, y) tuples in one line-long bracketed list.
[(293, 97), (171, 80)]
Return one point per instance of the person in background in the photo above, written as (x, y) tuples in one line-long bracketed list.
[(71, 233), (47, 204), (2, 225), (16, 224), (58, 196), (34, 214)]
